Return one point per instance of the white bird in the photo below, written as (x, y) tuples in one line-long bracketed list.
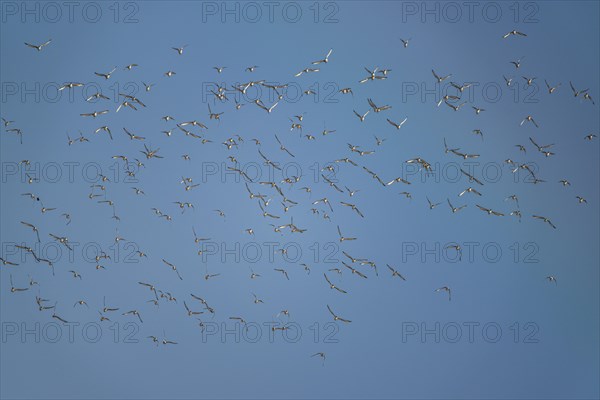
[(439, 78), (577, 93), (361, 117), (397, 125), (513, 33), (546, 220), (38, 47), (179, 50), (335, 317), (529, 118), (325, 60), (106, 75)]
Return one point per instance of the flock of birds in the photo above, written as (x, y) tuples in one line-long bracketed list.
[(273, 199)]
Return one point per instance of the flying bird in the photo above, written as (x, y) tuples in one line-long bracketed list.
[(513, 33), (40, 46)]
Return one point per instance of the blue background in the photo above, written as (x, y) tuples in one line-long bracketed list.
[(370, 358)]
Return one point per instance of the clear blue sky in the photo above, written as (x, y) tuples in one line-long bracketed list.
[(556, 352)]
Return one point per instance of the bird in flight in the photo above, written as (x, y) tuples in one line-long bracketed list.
[(282, 147), (471, 177), (94, 114), (465, 156), (455, 107), (461, 88), (190, 312), (546, 220), (440, 78), (529, 118), (324, 60), (354, 208), (577, 93), (354, 271), (34, 228), (134, 312), (517, 63), (332, 286), (378, 108), (395, 273), (551, 89), (564, 182), (335, 317), (321, 355), (173, 267), (179, 50), (284, 272), (372, 76), (513, 33), (396, 125), (40, 46), (431, 204), (306, 71), (14, 289), (342, 238), (361, 117), (106, 75), (455, 209), (489, 211), (587, 96), (5, 262), (70, 85)]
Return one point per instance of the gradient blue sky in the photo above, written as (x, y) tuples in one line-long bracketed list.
[(370, 359)]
